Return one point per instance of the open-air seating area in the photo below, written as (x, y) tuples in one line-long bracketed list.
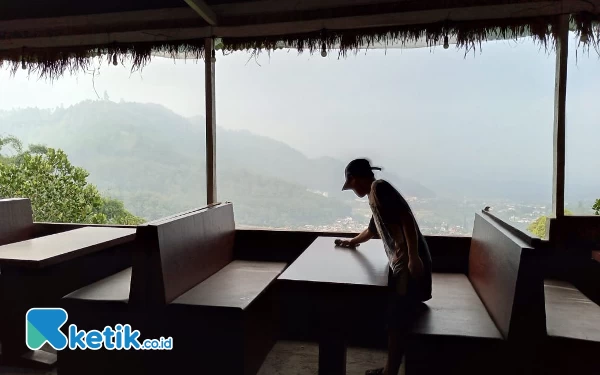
[(226, 296), (503, 302)]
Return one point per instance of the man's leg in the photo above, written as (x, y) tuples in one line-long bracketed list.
[(399, 318), (396, 348), (400, 322)]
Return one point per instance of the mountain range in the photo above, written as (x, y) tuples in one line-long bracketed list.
[(154, 160)]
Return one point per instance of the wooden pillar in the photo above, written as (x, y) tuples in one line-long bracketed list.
[(211, 122), (560, 100)]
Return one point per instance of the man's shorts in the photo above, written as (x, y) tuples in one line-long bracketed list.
[(403, 307)]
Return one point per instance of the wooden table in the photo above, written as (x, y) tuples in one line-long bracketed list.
[(48, 250), (325, 267), (31, 271)]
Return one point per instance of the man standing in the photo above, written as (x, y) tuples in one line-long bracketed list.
[(409, 258)]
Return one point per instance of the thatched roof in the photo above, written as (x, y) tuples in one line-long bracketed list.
[(465, 35), (50, 40), (54, 62)]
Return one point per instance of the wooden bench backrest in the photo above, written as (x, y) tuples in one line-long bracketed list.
[(178, 253), (575, 234), (16, 220), (506, 273)]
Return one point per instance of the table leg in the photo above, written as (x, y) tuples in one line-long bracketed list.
[(332, 355)]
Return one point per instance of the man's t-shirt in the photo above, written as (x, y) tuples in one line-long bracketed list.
[(386, 204)]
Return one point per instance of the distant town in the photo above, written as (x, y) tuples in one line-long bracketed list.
[(441, 216)]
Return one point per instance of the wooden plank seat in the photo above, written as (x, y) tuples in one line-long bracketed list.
[(455, 310), (235, 286), (93, 307), (235, 313), (454, 333), (113, 289), (573, 330), (184, 277), (468, 324)]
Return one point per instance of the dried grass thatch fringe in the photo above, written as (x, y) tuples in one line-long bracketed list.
[(468, 35), (52, 63), (587, 29)]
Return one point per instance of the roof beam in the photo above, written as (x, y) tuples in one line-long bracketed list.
[(200, 7), (152, 26), (100, 23), (278, 6), (507, 11), (100, 39)]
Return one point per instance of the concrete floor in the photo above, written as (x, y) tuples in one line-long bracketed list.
[(295, 358), (286, 358)]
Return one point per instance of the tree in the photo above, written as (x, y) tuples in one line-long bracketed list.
[(12, 143), (596, 207), (538, 227), (59, 192), (115, 213)]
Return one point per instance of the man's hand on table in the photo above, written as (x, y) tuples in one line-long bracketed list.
[(346, 243)]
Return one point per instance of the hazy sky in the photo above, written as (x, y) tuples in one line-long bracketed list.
[(431, 114)]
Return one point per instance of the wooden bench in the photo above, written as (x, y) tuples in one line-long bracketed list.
[(184, 284), (16, 224), (36, 271), (573, 330), (474, 323), (16, 220), (118, 299)]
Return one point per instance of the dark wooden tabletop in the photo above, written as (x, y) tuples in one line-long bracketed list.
[(48, 250), (323, 262)]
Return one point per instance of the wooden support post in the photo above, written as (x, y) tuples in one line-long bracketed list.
[(211, 122), (560, 99)]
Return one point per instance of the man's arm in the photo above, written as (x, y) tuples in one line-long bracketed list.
[(415, 263), (364, 236), (408, 230), (404, 234)]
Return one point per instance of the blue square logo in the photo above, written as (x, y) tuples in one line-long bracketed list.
[(42, 325)]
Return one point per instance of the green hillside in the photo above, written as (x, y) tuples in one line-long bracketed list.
[(153, 160)]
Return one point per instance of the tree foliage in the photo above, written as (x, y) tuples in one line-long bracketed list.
[(115, 213), (538, 227), (59, 191), (596, 207), (14, 147)]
